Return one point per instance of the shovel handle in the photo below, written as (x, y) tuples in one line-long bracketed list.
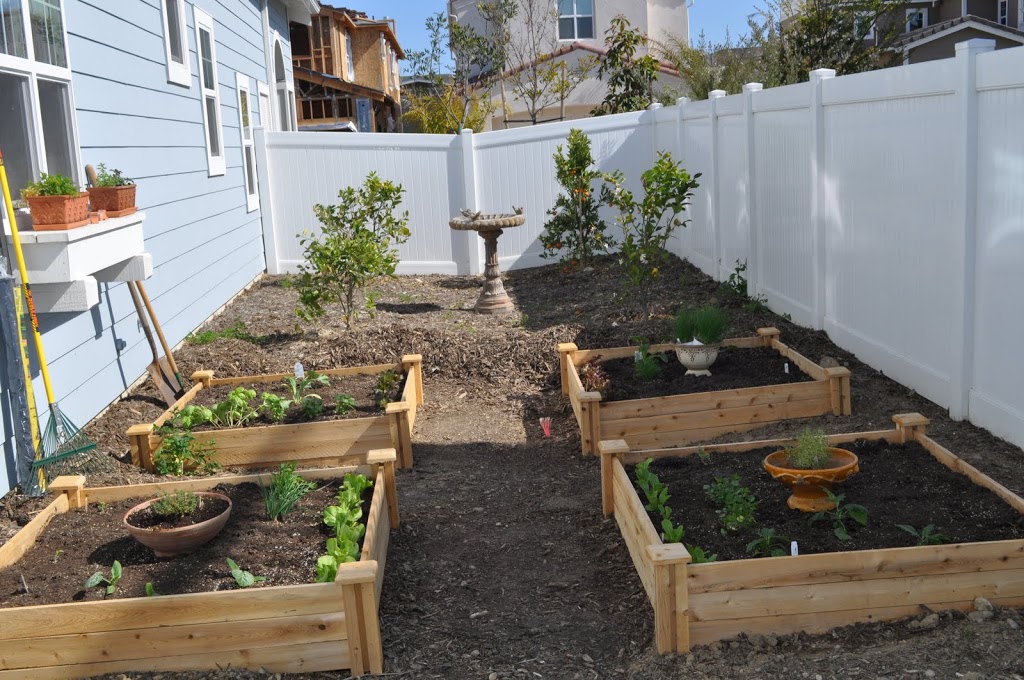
[(159, 331)]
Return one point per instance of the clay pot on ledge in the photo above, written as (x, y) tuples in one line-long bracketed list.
[(168, 542), (696, 356), (808, 486), (117, 201), (58, 213)]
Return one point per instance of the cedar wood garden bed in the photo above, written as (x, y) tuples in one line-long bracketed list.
[(678, 420), (308, 627), (697, 604), (322, 442)]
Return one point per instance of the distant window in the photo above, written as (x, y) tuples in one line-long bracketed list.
[(1004, 12), (207, 54), (175, 43), (575, 19), (865, 26), (917, 18), (252, 196), (349, 68)]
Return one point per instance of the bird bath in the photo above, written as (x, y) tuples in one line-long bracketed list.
[(493, 298)]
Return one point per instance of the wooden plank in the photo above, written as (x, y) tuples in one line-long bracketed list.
[(806, 365), (637, 530), (829, 597), (301, 658), (371, 628), (565, 350), (957, 464), (660, 440), (19, 544), (705, 632), (584, 355), (401, 433), (355, 629), (334, 372), (682, 607), (718, 417), (664, 602), (169, 610), (704, 401), (146, 642), (374, 516), (178, 405), (857, 565)]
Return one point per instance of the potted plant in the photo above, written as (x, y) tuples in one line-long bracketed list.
[(699, 334), (809, 468), (56, 203), (178, 523), (112, 192)]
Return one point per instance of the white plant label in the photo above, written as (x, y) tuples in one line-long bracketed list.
[(786, 368), (793, 550), (636, 356), (300, 372)]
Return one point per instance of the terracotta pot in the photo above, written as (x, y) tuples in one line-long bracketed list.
[(808, 486), (171, 542), (113, 199), (53, 213), (697, 358)]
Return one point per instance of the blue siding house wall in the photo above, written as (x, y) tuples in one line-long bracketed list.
[(206, 242)]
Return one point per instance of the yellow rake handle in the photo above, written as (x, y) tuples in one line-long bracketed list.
[(20, 257)]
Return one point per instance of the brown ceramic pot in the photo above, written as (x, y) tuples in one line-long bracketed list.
[(180, 540), (808, 486), (54, 213), (113, 199)]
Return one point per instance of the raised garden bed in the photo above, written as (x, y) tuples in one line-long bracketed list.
[(318, 442), (681, 419), (287, 628), (697, 604)]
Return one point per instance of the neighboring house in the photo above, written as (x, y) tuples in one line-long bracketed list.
[(168, 91), (346, 71), (576, 32)]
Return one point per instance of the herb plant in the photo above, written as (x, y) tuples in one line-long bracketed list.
[(357, 242), (298, 387), (181, 454), (387, 383), (698, 556), (99, 578), (312, 406), (274, 407), (575, 231), (51, 185), (243, 579), (840, 515), (647, 365), (593, 376), (285, 490), (235, 411), (344, 519), (768, 544), (705, 324), (177, 504), (344, 404), (736, 286), (926, 536), (810, 451), (111, 178), (737, 504)]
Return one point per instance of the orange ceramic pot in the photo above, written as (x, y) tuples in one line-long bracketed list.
[(179, 540), (808, 486)]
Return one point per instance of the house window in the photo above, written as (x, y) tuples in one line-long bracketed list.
[(1004, 12), (264, 109), (917, 18), (865, 26), (349, 68), (252, 197), (37, 123), (207, 53), (284, 92), (575, 19), (175, 43)]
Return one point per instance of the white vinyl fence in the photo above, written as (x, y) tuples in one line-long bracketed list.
[(886, 208)]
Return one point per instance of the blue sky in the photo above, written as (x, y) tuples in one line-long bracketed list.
[(710, 16)]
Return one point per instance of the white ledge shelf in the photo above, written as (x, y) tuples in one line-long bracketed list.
[(65, 268)]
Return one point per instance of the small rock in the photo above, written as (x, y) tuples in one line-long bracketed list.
[(492, 676), (828, 362), (914, 625), (475, 652), (982, 605), (929, 674), (1012, 624), (980, 616), (757, 641), (929, 622), (587, 658)]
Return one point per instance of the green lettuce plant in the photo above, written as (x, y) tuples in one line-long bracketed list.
[(344, 518)]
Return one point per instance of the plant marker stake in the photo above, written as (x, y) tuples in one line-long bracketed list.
[(793, 550), (300, 372), (545, 424), (786, 368)]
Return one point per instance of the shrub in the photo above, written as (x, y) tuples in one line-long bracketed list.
[(706, 324), (356, 244), (575, 230), (810, 451)]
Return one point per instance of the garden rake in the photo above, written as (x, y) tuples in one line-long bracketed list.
[(61, 438)]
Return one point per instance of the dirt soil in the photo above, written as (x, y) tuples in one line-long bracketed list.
[(735, 368), (503, 566), (897, 484)]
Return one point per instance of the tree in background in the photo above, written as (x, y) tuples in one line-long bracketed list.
[(431, 112), (709, 66), (630, 75)]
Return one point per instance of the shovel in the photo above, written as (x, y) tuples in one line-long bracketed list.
[(162, 370)]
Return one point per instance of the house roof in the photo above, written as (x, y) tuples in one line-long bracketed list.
[(300, 11), (663, 66), (943, 28), (336, 83), (359, 20)]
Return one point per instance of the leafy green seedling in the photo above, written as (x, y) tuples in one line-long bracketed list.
[(840, 514), (768, 544), (926, 536), (670, 532), (274, 407), (737, 504), (312, 406), (150, 590), (99, 577), (285, 490), (646, 365), (344, 404), (244, 579), (698, 556)]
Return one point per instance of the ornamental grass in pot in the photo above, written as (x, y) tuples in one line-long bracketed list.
[(113, 192), (178, 523), (699, 335), (56, 203), (810, 468)]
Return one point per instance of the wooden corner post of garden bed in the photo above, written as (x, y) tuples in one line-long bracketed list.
[(671, 598), (412, 364), (610, 451), (401, 430), (140, 437), (385, 460), (357, 581), (909, 426), (565, 350)]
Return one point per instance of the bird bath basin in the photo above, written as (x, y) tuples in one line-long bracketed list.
[(493, 298)]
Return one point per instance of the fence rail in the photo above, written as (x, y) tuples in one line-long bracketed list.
[(886, 208)]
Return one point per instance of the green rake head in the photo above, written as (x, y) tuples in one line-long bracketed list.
[(62, 439)]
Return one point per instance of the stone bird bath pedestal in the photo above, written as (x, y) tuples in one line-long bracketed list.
[(493, 298)]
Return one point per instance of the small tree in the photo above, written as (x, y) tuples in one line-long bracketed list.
[(575, 230), (630, 77), (356, 245), (648, 224)]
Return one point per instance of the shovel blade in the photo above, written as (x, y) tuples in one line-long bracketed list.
[(165, 381)]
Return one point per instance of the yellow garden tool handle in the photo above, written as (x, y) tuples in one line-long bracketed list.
[(20, 257)]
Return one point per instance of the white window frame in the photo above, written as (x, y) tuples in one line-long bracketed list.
[(286, 89), (263, 90), (911, 13), (252, 200), (870, 35), (575, 27), (1003, 12), (178, 74), (350, 68), (34, 71), (215, 164)]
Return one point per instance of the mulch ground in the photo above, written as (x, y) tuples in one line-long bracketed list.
[(504, 566)]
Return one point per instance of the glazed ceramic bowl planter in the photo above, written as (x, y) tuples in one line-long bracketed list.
[(809, 485), (696, 356), (117, 201), (55, 213), (168, 542)]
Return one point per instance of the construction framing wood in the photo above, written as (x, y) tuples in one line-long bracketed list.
[(308, 444), (696, 604), (663, 422), (303, 628)]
